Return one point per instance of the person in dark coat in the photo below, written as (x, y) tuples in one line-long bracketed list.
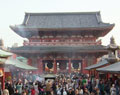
[(86, 92), (101, 88), (16, 92), (71, 92), (54, 88), (10, 89)]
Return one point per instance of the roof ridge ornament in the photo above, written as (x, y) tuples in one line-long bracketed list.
[(98, 16), (27, 19), (112, 44), (112, 40), (112, 48)]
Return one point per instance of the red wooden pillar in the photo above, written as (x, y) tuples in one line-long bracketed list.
[(69, 66), (84, 66), (2, 78), (40, 66), (3, 86), (97, 75), (55, 66), (89, 73), (29, 61), (95, 60), (14, 56), (95, 72), (108, 76)]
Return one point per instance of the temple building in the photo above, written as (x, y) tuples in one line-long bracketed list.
[(62, 42)]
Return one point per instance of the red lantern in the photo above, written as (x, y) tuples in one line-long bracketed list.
[(1, 72)]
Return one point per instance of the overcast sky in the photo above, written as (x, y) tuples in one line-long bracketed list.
[(12, 12)]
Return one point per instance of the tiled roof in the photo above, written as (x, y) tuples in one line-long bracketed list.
[(63, 20), (35, 23), (99, 64), (113, 68)]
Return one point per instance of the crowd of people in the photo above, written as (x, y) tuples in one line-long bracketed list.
[(63, 84)]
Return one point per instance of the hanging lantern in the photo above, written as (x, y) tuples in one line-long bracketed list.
[(1, 72), (50, 65), (75, 65), (62, 66), (46, 69)]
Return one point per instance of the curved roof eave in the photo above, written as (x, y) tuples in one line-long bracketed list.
[(60, 49), (26, 31)]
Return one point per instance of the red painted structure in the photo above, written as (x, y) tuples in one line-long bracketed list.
[(62, 42)]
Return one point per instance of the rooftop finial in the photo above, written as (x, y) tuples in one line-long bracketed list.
[(112, 45), (112, 40)]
